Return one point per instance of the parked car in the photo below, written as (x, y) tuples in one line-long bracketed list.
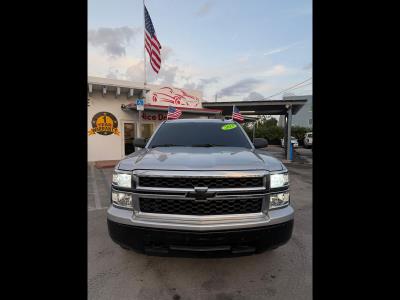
[(200, 186), (308, 140), (294, 142)]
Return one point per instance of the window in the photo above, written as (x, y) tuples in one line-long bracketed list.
[(146, 130)]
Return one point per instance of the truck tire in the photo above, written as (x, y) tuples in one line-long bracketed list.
[(124, 247)]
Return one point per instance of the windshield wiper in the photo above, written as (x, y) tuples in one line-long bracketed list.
[(206, 145), (166, 145)]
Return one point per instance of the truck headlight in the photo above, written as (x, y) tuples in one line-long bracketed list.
[(122, 179), (122, 199), (278, 200), (279, 180)]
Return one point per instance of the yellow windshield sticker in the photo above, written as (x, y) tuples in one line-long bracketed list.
[(228, 126)]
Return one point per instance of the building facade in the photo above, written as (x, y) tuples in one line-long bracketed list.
[(114, 121), (304, 117)]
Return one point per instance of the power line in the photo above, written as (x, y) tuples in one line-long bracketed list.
[(291, 92), (299, 87), (288, 89), (292, 88)]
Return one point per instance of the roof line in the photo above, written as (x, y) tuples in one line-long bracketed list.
[(184, 109), (256, 102)]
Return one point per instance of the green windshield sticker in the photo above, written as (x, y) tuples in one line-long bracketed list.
[(228, 126)]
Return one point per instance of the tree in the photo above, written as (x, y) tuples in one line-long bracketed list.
[(299, 132), (268, 128)]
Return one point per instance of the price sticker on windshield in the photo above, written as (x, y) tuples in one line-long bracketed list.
[(228, 126)]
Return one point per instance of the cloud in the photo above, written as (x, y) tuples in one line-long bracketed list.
[(135, 72), (243, 58), (240, 87), (114, 73), (113, 40), (280, 49), (276, 71), (129, 68), (166, 53), (166, 76), (204, 9), (308, 66), (254, 96), (201, 84)]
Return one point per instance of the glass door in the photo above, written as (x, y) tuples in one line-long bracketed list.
[(129, 136)]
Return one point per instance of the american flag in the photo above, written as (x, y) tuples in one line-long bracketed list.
[(151, 43), (236, 115), (173, 113)]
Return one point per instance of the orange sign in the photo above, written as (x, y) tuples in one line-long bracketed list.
[(104, 123)]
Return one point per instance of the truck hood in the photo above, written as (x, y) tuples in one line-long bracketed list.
[(200, 158)]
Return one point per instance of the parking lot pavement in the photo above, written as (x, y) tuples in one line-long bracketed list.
[(284, 273), (302, 155), (99, 182), (305, 154)]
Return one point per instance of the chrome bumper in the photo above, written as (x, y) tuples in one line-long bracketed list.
[(200, 223)]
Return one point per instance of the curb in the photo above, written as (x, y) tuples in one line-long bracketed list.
[(104, 164)]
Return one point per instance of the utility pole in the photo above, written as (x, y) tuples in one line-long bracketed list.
[(216, 95)]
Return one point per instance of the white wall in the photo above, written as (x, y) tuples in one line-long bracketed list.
[(107, 147), (111, 147)]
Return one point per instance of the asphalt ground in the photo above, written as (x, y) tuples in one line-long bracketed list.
[(301, 155), (284, 273)]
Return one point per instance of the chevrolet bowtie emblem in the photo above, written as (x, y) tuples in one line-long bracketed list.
[(200, 189), (200, 193)]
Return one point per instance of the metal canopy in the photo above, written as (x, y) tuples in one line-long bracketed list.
[(266, 107)]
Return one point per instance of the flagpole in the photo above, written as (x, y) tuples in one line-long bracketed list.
[(144, 46), (233, 109), (139, 133)]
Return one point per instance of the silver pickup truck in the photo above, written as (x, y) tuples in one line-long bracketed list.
[(200, 185)]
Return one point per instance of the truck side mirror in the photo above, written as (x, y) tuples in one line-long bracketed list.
[(260, 143), (139, 142)]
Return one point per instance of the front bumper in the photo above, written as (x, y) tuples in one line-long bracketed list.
[(167, 242), (145, 231), (203, 223)]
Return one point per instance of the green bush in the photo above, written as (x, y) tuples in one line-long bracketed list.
[(268, 129)]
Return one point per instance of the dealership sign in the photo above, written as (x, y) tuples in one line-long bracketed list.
[(104, 123), (154, 117), (167, 96)]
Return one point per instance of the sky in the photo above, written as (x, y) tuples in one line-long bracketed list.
[(235, 49)]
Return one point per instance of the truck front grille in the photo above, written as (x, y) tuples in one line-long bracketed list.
[(210, 182), (195, 207)]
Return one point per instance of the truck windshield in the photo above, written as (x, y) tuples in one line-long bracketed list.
[(198, 134)]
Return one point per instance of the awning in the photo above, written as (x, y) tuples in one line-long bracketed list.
[(207, 111), (265, 107)]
